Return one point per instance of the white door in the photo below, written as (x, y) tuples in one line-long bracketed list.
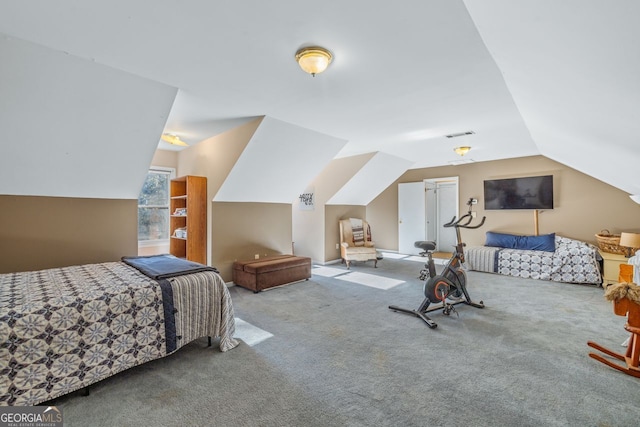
[(411, 216), (431, 217), (447, 208)]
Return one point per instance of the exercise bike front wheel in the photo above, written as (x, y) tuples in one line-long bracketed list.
[(437, 289)]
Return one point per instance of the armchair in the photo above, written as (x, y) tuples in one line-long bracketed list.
[(355, 242)]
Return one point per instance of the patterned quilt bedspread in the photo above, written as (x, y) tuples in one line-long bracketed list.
[(63, 329), (572, 262)]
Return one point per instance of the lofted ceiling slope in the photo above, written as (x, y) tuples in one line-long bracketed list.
[(74, 128), (557, 78), (277, 163), (368, 182), (573, 69)]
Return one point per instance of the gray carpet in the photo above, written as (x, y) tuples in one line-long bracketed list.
[(340, 357)]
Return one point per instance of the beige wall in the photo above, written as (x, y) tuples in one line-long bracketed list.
[(242, 230), (165, 158), (382, 216), (582, 205), (46, 232)]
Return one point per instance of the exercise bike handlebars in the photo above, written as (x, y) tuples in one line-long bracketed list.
[(458, 223)]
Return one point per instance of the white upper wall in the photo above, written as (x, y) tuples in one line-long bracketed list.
[(373, 178), (574, 78), (558, 78), (75, 128), (278, 163)]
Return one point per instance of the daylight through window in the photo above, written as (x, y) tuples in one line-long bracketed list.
[(153, 206)]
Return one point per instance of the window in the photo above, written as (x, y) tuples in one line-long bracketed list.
[(153, 205)]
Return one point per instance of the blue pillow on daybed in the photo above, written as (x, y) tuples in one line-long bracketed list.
[(546, 242)]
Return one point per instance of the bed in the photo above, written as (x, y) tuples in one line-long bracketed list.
[(63, 329), (572, 261)]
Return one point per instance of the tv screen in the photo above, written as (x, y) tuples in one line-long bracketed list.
[(534, 192)]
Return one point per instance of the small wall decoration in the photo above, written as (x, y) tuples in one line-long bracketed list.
[(307, 200)]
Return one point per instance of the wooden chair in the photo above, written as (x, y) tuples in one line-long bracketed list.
[(622, 307), (625, 274)]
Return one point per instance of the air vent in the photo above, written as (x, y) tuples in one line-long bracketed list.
[(455, 135)]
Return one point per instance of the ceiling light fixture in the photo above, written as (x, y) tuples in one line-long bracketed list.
[(462, 150), (313, 59), (173, 139)]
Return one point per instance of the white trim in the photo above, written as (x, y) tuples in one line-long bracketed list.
[(150, 243), (172, 171)]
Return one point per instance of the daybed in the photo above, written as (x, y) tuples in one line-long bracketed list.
[(63, 329), (547, 257)]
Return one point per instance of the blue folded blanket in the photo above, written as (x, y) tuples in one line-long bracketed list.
[(546, 242), (164, 266)]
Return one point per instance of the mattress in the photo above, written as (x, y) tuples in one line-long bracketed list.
[(573, 261), (63, 329)]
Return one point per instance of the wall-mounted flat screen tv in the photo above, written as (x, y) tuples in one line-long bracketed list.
[(533, 192)]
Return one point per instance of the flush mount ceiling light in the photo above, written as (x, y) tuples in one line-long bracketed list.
[(173, 139), (313, 59), (462, 150)]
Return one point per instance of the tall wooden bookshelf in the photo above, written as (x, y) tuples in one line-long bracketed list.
[(189, 218)]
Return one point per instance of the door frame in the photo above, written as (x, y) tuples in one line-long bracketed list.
[(432, 213)]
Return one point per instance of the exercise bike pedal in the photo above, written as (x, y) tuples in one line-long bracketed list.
[(448, 309)]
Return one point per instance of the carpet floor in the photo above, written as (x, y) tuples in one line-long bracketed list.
[(329, 352)]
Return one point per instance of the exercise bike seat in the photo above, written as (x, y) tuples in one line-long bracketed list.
[(425, 245)]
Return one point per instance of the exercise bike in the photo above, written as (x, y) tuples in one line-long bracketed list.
[(448, 288)]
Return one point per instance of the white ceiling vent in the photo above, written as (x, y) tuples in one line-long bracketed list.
[(455, 135)]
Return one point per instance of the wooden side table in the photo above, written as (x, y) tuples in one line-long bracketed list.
[(611, 267)]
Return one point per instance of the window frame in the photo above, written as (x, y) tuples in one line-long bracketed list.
[(172, 174)]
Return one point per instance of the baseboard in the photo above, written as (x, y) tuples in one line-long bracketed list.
[(339, 260), (387, 250)]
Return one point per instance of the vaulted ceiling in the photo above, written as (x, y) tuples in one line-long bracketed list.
[(557, 78)]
